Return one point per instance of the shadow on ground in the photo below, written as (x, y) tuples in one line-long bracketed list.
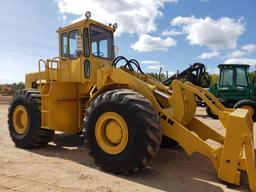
[(172, 170)]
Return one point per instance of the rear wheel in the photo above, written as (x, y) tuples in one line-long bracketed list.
[(122, 131), (247, 104), (24, 120)]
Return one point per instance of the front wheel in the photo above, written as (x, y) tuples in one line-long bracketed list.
[(247, 104), (122, 131)]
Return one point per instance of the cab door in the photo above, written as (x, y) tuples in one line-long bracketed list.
[(226, 85), (86, 63), (64, 61), (70, 67), (101, 49), (242, 89), (74, 47)]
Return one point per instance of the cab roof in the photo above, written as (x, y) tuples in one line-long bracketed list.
[(83, 22), (233, 65)]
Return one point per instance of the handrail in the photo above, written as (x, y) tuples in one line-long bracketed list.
[(51, 61), (48, 65), (39, 67), (50, 74)]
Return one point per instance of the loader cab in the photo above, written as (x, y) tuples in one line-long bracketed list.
[(84, 47)]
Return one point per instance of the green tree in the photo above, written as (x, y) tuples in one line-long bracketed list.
[(13, 86), (20, 85), (156, 76), (214, 79), (252, 76)]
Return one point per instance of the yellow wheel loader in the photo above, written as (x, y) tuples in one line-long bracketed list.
[(123, 112)]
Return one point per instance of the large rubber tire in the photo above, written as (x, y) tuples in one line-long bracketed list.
[(144, 130), (247, 102), (210, 113), (34, 136)]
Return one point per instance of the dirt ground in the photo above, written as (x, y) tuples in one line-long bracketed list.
[(65, 165), (5, 99)]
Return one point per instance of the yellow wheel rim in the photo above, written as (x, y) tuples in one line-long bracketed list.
[(20, 119), (249, 108), (111, 133)]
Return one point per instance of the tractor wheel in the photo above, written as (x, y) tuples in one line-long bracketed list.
[(210, 113), (24, 119), (122, 131), (247, 104)]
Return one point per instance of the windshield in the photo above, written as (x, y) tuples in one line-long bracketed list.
[(101, 42)]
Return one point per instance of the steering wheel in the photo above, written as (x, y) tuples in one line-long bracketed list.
[(101, 54)]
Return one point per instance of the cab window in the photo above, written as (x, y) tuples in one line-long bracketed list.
[(86, 43), (226, 78), (72, 39), (101, 42), (241, 79), (64, 45)]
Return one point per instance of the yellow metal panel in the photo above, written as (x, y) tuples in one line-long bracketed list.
[(204, 131), (59, 108), (177, 100), (75, 71)]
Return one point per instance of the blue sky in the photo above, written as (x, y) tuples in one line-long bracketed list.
[(159, 33)]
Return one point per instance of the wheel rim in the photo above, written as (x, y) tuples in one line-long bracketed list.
[(111, 133), (20, 119), (249, 108)]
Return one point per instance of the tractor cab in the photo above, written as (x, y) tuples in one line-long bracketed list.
[(234, 83), (234, 88), (233, 76)]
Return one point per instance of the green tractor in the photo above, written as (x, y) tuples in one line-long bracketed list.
[(235, 89)]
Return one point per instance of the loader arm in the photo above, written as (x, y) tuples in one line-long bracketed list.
[(236, 151), (176, 108)]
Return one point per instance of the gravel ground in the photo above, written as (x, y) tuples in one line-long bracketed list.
[(64, 165)]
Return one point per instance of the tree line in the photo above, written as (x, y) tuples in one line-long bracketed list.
[(13, 87), (7, 88)]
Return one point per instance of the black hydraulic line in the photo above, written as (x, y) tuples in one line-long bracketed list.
[(128, 64)]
